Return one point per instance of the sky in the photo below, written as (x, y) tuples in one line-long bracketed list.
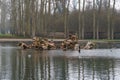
[(117, 6)]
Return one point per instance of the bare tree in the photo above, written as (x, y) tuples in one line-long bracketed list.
[(42, 16), (79, 20), (33, 16), (99, 3), (108, 20), (65, 18), (65, 4), (83, 19), (20, 18), (14, 16), (94, 20), (3, 15), (49, 14), (113, 19)]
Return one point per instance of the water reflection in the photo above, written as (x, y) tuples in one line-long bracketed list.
[(17, 64)]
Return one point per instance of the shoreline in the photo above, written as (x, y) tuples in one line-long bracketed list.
[(55, 40), (13, 40)]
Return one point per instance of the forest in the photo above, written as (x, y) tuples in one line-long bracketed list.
[(88, 19)]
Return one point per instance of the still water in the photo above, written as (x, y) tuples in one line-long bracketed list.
[(96, 64)]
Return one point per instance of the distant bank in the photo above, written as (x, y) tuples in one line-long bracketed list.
[(24, 40), (56, 40)]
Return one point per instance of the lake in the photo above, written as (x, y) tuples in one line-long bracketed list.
[(96, 64)]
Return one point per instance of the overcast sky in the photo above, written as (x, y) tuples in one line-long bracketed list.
[(117, 6)]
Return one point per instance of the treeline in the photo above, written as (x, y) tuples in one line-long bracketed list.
[(94, 19)]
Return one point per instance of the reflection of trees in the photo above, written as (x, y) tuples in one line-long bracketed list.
[(5, 63), (60, 68), (19, 65), (42, 66), (100, 68)]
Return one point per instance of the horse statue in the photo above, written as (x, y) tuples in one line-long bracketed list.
[(69, 43), (38, 43), (90, 45), (72, 44)]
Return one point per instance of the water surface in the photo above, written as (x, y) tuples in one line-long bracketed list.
[(96, 64)]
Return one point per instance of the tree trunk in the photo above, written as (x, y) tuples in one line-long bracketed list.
[(98, 18), (14, 17), (42, 17), (49, 15), (113, 20), (32, 4), (94, 21), (79, 29), (83, 19), (65, 18), (108, 20), (27, 18)]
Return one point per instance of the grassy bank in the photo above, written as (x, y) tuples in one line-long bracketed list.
[(100, 40), (2, 36), (11, 36)]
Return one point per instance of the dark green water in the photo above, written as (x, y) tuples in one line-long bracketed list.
[(96, 64)]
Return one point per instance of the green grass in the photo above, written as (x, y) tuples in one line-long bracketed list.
[(10, 36), (6, 35), (103, 40)]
